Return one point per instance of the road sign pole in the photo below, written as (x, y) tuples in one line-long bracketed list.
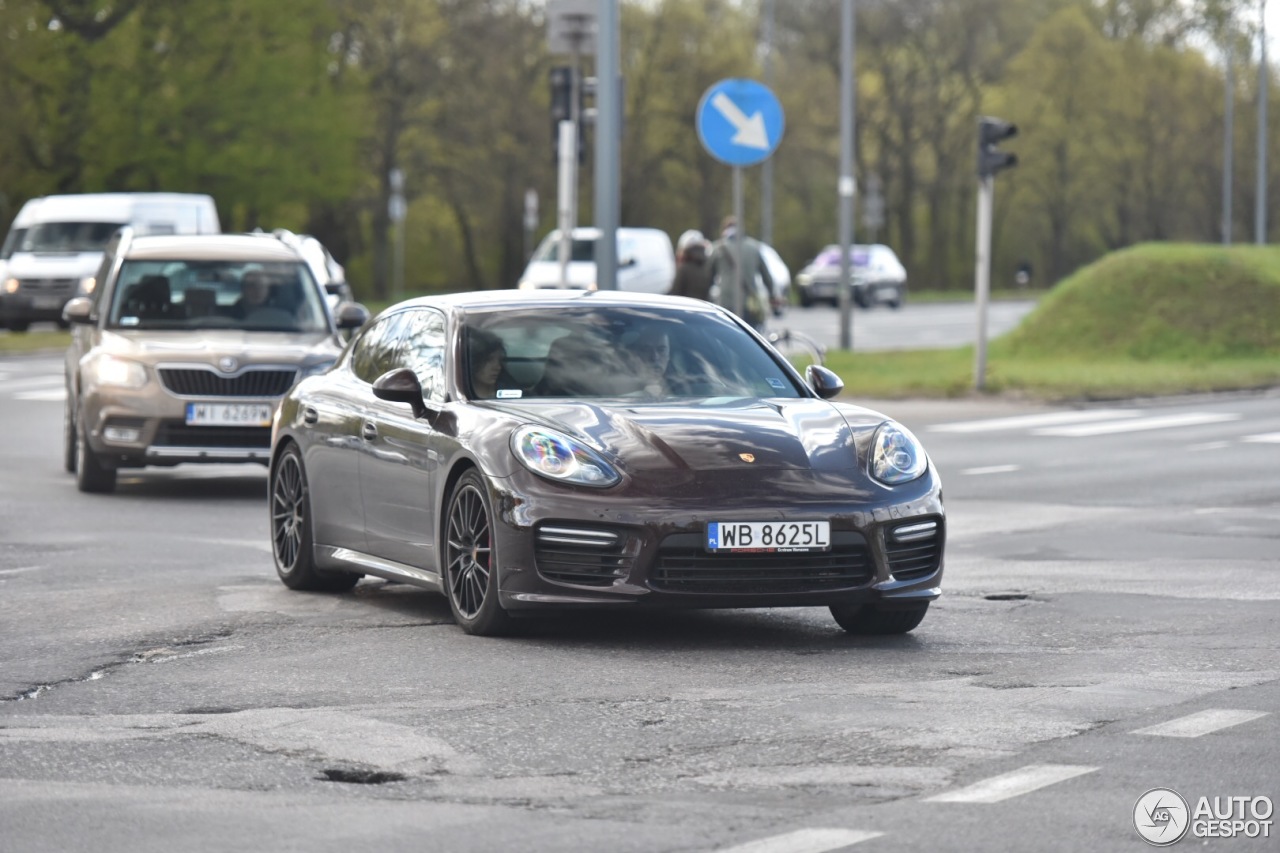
[(982, 276), (567, 190), (737, 298), (608, 144), (847, 185)]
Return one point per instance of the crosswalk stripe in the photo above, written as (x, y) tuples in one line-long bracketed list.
[(1030, 421), (1160, 422), (1024, 780), (31, 382), (1201, 723), (805, 841), (53, 395), (1265, 438), (993, 469)]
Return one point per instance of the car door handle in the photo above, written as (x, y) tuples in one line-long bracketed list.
[(310, 415), (370, 431)]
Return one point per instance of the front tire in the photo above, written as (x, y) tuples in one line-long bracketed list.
[(292, 542), (868, 619), (91, 475), (470, 560), (70, 440)]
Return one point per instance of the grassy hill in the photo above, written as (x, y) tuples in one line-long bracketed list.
[(1158, 318), (1157, 301)]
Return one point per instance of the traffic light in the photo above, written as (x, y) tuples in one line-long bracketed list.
[(990, 158), (562, 78)]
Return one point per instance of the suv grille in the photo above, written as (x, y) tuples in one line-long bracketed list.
[(915, 548), (206, 382), (684, 565), (585, 556), (179, 434)]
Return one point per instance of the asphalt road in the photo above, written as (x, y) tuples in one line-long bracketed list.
[(917, 325), (1109, 626)]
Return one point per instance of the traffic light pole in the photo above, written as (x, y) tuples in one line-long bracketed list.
[(568, 191), (982, 276)]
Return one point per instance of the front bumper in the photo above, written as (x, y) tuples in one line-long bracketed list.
[(550, 553), (23, 307), (147, 427)]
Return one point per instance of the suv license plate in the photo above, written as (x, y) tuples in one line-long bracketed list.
[(229, 414), (769, 536)]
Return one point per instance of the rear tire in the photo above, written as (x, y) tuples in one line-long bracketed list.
[(19, 325), (292, 542), (470, 560), (91, 475), (869, 619)]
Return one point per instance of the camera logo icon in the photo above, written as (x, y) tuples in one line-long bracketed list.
[(1161, 817)]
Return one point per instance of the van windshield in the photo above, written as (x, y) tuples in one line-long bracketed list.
[(69, 236), (583, 250)]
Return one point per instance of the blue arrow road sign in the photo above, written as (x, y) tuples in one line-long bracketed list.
[(740, 122)]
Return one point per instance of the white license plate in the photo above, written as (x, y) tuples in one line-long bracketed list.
[(769, 536), (229, 414), (46, 303)]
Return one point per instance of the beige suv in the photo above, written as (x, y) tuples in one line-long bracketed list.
[(184, 349)]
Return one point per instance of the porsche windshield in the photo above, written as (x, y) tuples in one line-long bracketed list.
[(611, 351), (264, 297)]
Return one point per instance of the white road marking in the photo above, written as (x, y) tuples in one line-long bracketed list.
[(54, 395), (1030, 421), (993, 469), (1159, 422), (805, 841), (1210, 445), (20, 569), (1202, 723), (33, 382), (1265, 438), (1024, 780)]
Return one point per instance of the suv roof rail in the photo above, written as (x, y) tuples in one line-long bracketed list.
[(284, 235)]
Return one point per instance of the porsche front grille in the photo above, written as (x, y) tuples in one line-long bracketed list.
[(914, 549), (207, 382), (585, 556), (684, 565)]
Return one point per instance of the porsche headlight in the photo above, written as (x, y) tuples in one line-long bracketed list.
[(556, 456), (109, 370), (896, 455)]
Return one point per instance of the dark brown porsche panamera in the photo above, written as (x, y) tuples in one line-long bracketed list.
[(527, 452)]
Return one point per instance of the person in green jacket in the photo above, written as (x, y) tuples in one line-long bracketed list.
[(757, 283)]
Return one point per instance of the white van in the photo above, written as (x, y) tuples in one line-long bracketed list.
[(646, 261), (57, 244)]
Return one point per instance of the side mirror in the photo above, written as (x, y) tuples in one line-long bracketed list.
[(78, 310), (401, 386), (351, 315), (824, 381)]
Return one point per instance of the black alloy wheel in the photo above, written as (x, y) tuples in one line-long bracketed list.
[(470, 575), (870, 619), (291, 537)]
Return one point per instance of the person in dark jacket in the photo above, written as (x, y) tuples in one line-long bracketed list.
[(693, 271)]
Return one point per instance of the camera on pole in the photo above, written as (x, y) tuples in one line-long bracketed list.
[(990, 158)]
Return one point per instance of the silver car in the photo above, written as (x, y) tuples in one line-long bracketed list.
[(185, 349)]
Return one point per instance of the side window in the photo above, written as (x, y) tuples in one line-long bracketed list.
[(377, 349), (423, 351)]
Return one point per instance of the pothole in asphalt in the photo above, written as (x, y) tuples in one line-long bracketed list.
[(361, 777)]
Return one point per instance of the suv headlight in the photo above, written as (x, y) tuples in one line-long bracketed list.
[(556, 456), (110, 370), (896, 456)]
